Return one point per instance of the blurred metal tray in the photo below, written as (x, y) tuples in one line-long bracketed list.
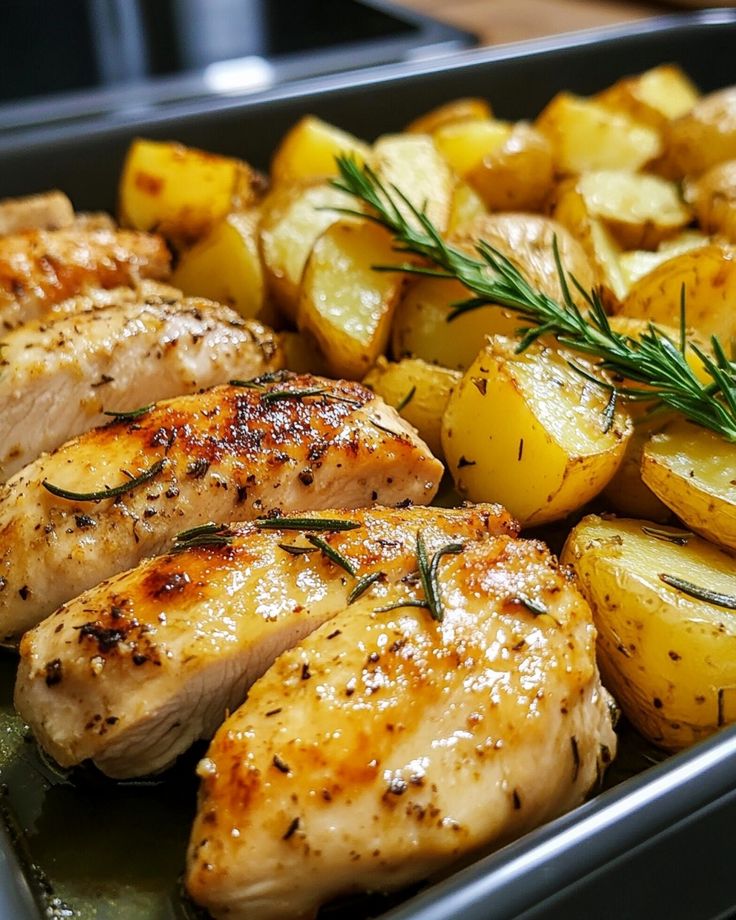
[(657, 844)]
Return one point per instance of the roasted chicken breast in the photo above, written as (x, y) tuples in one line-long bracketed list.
[(42, 267), (296, 443), (136, 669), (58, 376), (388, 745)]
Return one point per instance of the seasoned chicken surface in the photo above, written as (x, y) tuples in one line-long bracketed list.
[(388, 745), (136, 669), (42, 267), (231, 453), (58, 376), (146, 290)]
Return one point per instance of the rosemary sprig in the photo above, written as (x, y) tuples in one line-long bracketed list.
[(279, 395), (654, 361), (130, 415), (409, 602), (407, 399), (667, 536), (260, 382), (332, 554), (205, 535), (363, 585), (700, 594), (101, 494), (329, 525), (428, 574), (293, 550)]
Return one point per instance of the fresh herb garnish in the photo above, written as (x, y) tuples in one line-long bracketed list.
[(536, 608), (131, 415), (205, 535), (405, 603), (297, 550), (407, 399), (363, 585), (428, 573), (102, 494), (653, 360), (260, 382), (332, 554), (701, 594), (306, 524), (679, 539), (280, 395)]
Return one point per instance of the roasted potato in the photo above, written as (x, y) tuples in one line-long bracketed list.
[(182, 192), (708, 275), (456, 110), (463, 144), (639, 262), (517, 175), (529, 431), (713, 198), (693, 472), (586, 135), (465, 206), (666, 653), (344, 303), (654, 97), (706, 135), (225, 265), (418, 390), (307, 152), (292, 217)]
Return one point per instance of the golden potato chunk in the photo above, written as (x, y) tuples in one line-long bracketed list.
[(465, 206), (654, 97), (706, 135), (292, 217), (308, 151), (530, 432), (713, 198), (419, 391), (344, 303), (182, 192), (693, 471), (463, 144), (708, 275), (517, 175), (639, 262), (225, 265), (456, 110), (666, 653), (586, 135)]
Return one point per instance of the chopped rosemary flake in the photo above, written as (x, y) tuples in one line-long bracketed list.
[(297, 550), (332, 554), (536, 608), (102, 494), (397, 604), (428, 573), (280, 395), (701, 594), (205, 535), (362, 586), (132, 414), (679, 539), (609, 413), (329, 525), (258, 383), (385, 428), (407, 399)]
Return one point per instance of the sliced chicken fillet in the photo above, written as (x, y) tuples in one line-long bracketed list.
[(388, 745), (42, 267), (59, 376), (136, 669), (231, 453)]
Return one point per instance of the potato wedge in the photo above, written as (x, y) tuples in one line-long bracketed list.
[(713, 198), (463, 144), (586, 135), (639, 210), (668, 657), (344, 303), (708, 275), (693, 471), (706, 135), (225, 265), (292, 218), (307, 152), (465, 109), (182, 192), (420, 326), (419, 391), (528, 431), (654, 97), (518, 175), (465, 206), (411, 162), (639, 262), (46, 211)]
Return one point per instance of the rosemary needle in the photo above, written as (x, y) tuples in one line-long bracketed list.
[(653, 361), (102, 494)]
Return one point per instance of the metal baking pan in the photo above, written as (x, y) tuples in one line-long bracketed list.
[(657, 843)]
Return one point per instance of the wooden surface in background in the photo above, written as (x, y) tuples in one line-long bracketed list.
[(499, 21)]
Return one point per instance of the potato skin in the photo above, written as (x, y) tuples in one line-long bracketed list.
[(529, 432), (713, 198), (668, 658), (706, 135)]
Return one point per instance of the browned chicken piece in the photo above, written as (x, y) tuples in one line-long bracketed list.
[(46, 211), (42, 267), (295, 443), (59, 375), (133, 671), (390, 744), (97, 298)]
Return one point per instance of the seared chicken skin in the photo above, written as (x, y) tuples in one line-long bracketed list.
[(231, 453), (59, 376), (136, 669), (42, 267), (387, 745)]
